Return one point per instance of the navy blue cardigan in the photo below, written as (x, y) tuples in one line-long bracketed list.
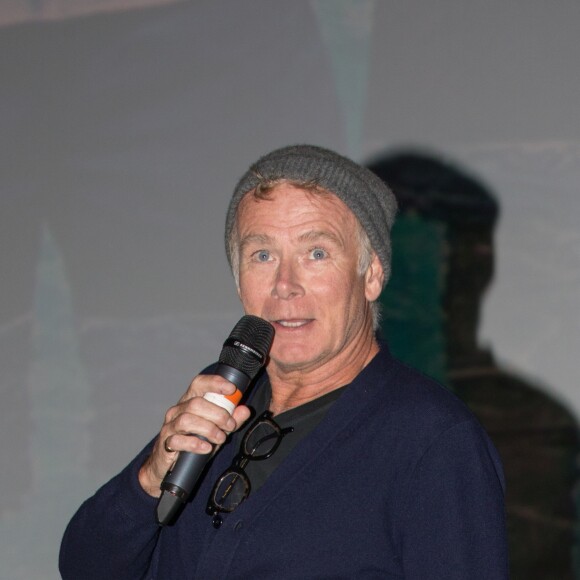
[(398, 481)]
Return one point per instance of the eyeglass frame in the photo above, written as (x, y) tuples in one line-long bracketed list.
[(239, 462)]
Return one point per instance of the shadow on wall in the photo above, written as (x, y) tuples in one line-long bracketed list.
[(443, 259)]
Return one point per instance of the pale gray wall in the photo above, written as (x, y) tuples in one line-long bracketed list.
[(122, 135)]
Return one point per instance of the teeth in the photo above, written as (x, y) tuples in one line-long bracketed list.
[(291, 324)]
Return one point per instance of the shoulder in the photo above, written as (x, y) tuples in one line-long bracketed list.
[(394, 388), (411, 413)]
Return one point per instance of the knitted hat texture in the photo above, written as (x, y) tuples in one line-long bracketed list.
[(365, 194)]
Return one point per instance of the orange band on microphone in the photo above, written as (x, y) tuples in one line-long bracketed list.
[(235, 398)]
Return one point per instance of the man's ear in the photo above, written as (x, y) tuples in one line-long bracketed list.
[(374, 277)]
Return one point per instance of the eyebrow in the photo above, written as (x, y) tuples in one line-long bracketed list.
[(254, 239)]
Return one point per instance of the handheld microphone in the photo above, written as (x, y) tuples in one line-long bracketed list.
[(243, 355)]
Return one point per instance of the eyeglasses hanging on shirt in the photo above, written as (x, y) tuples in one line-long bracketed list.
[(260, 442)]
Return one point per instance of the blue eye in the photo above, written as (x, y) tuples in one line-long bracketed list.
[(318, 254), (262, 255)]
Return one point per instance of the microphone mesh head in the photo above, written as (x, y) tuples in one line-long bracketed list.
[(247, 346)]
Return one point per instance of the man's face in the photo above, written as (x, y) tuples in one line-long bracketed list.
[(299, 255)]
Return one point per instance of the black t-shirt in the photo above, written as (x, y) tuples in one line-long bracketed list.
[(303, 419)]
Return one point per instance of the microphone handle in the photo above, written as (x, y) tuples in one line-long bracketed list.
[(181, 478)]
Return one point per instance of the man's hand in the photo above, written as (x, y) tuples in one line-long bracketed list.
[(192, 415)]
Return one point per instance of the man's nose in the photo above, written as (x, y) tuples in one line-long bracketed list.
[(287, 284)]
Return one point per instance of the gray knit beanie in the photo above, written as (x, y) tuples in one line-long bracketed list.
[(365, 194)]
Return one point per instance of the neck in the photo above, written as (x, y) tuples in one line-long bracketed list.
[(294, 387)]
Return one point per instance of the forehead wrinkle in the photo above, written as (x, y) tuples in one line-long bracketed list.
[(309, 236), (317, 235)]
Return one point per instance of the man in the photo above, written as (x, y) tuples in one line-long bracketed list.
[(379, 472)]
